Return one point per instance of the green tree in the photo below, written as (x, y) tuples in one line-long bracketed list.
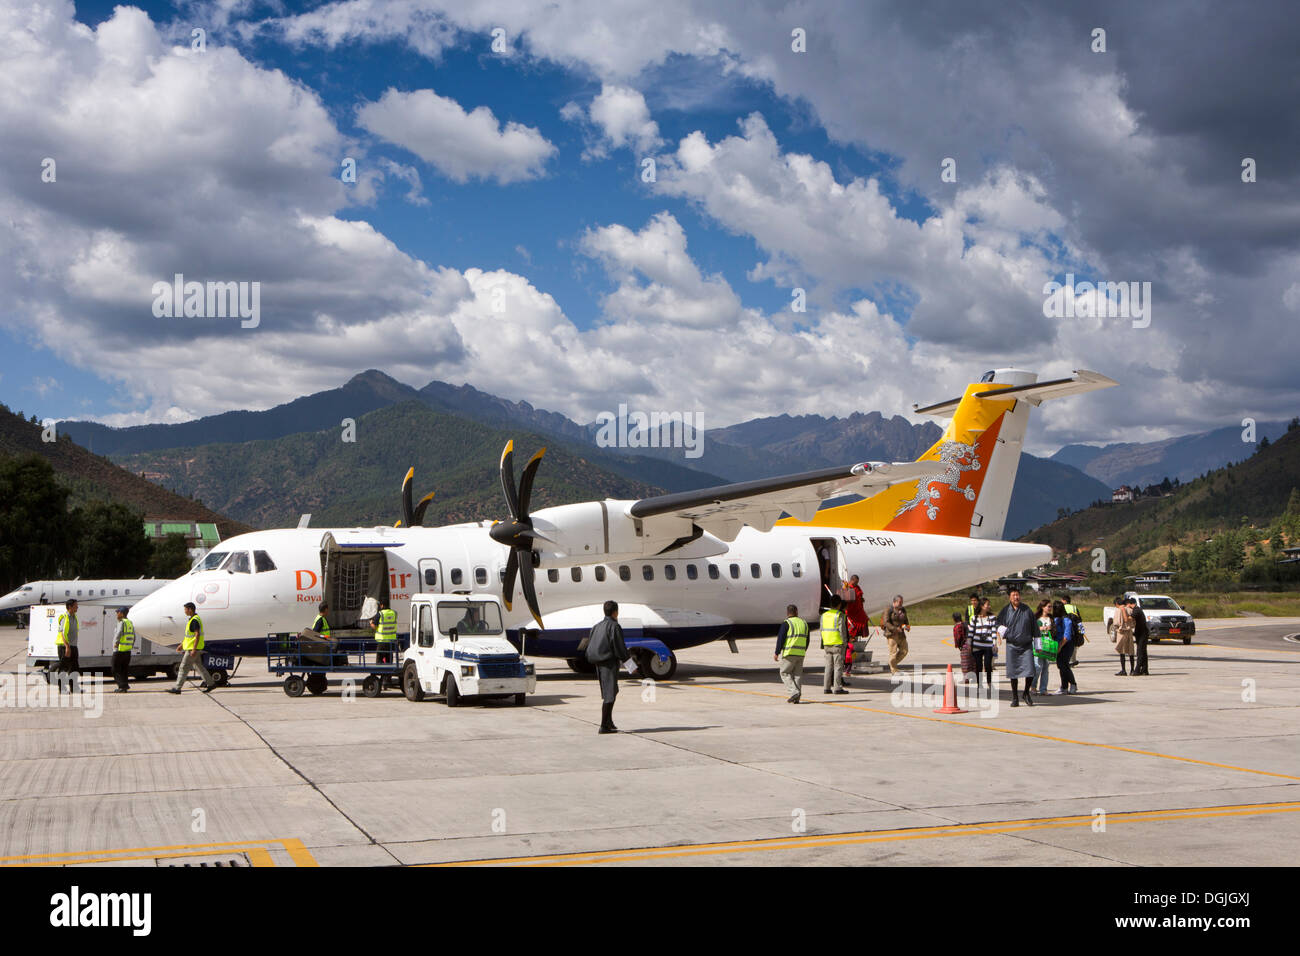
[(110, 541), (170, 558), (35, 531)]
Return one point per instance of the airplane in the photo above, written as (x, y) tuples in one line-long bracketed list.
[(121, 591), (686, 568)]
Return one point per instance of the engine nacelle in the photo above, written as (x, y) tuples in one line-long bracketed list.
[(595, 532)]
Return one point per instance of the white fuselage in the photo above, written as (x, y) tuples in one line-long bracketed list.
[(121, 591), (701, 592)]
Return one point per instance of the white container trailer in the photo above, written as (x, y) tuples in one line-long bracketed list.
[(96, 625)]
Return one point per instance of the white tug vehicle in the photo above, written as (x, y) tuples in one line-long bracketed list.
[(459, 649)]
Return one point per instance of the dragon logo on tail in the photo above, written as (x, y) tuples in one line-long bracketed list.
[(956, 458)]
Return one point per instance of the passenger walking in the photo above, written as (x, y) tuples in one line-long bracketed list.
[(1067, 635), (961, 641), (192, 656), (65, 641), (791, 648), (981, 638), (834, 631), (1121, 635), (896, 627), (123, 645), (855, 614), (1141, 632), (606, 649), (1043, 661), (1017, 627), (855, 611)]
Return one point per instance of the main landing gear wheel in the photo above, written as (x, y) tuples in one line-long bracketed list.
[(316, 683), (580, 665), (411, 683), (657, 669), (293, 685), (451, 691), (371, 686)]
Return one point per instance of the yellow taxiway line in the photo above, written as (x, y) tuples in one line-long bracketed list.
[(258, 853), (878, 836)]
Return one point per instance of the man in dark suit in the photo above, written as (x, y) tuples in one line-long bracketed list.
[(605, 649), (1140, 634)]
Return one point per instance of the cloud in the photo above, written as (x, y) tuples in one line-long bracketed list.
[(620, 118), (331, 25), (460, 145)]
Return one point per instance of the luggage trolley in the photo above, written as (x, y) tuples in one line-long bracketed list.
[(306, 664)]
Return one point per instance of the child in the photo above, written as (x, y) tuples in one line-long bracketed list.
[(961, 641)]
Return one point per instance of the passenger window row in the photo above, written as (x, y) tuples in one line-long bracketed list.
[(670, 572)]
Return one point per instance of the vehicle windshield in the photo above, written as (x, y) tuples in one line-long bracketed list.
[(211, 561), (1158, 604), (470, 617)]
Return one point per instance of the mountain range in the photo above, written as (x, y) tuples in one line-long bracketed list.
[(1184, 458), (296, 442), (92, 477)]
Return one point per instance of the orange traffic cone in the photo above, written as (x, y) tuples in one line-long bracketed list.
[(949, 697)]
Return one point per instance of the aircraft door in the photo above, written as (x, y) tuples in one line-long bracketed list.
[(431, 576), (831, 565)]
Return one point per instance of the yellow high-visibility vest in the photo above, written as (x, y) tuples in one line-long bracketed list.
[(832, 635), (387, 630), (61, 637), (127, 641), (322, 626), (796, 637), (193, 638)]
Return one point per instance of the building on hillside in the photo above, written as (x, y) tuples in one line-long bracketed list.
[(200, 536), (1042, 581), (1151, 579), (1122, 493), (1292, 556)]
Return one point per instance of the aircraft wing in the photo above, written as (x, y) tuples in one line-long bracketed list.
[(724, 510)]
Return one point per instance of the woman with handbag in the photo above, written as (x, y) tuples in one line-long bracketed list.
[(1122, 636), (1066, 635), (1045, 646)]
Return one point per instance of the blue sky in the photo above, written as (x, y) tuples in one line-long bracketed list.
[(777, 169)]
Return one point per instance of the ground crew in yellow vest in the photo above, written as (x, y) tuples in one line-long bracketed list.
[(322, 626), (791, 647), (834, 633), (65, 639), (123, 645), (385, 625), (192, 653)]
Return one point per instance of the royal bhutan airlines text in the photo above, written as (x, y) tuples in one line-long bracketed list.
[(308, 585)]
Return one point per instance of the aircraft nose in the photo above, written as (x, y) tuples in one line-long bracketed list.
[(154, 615)]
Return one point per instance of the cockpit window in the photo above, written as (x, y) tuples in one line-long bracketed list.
[(262, 561), (239, 563), (212, 560)]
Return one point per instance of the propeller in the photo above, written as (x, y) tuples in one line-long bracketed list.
[(412, 517), (518, 534)]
